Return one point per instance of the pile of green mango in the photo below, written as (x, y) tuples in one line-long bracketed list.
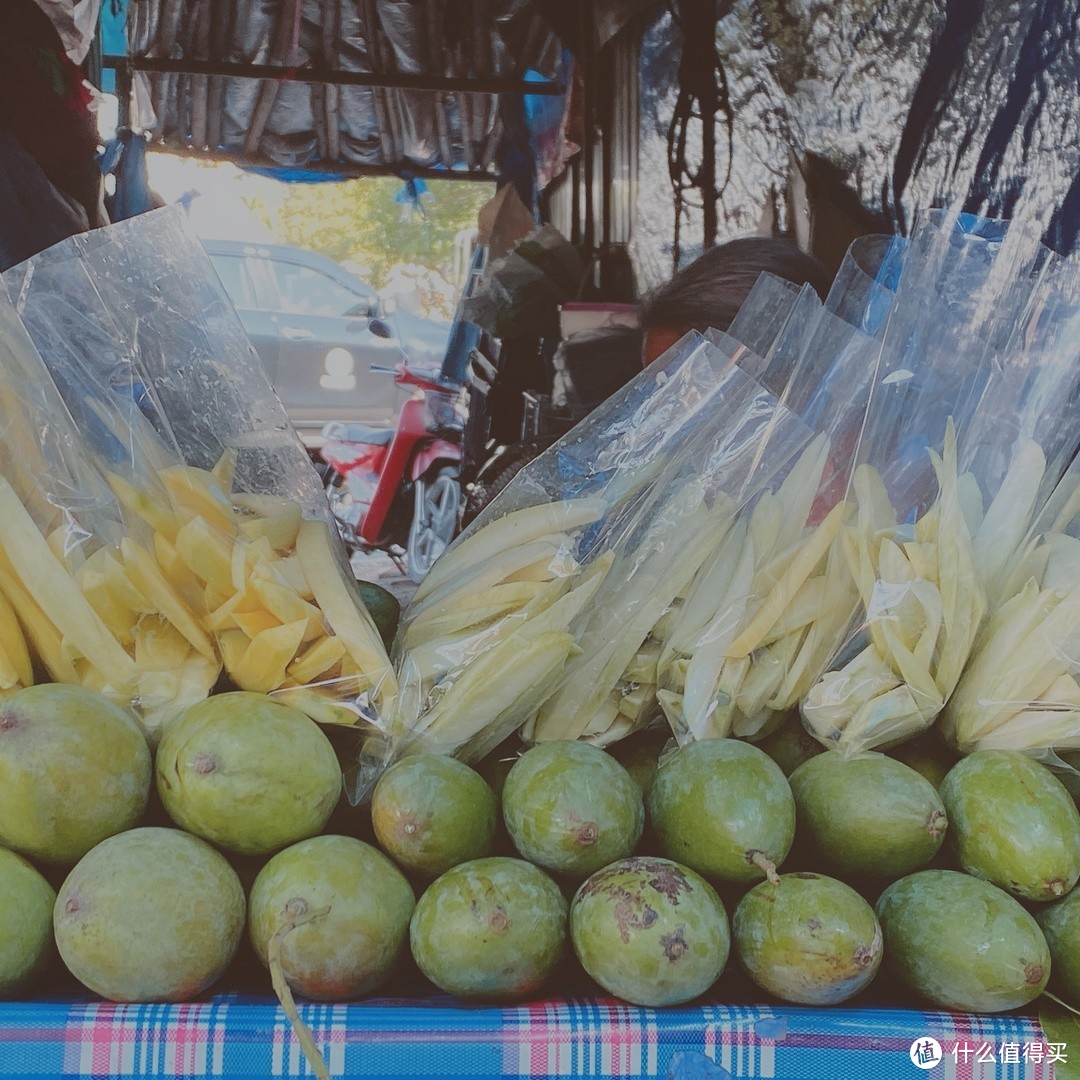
[(662, 872)]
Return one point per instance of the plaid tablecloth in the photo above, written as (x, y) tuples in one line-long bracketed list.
[(246, 1038)]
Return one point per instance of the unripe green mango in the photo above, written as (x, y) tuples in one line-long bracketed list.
[(724, 809), (247, 773), (340, 910), (929, 757), (1060, 924), (490, 929), (962, 943), (74, 769), (431, 813), (866, 815), (810, 939), (650, 931), (791, 744), (572, 808), (150, 915), (1012, 822), (26, 936)]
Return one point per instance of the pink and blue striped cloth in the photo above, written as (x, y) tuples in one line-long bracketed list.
[(243, 1038)]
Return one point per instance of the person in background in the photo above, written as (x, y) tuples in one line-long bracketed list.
[(708, 293), (48, 135)]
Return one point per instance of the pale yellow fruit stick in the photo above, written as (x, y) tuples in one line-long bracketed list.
[(344, 612), (151, 582), (56, 592)]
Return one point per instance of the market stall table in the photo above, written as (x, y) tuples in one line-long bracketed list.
[(248, 1037)]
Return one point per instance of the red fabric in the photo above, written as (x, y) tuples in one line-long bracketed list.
[(42, 96)]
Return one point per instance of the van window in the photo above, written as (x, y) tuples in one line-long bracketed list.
[(235, 276), (308, 292)]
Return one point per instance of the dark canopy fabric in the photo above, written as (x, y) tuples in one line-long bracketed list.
[(894, 106), (294, 124)]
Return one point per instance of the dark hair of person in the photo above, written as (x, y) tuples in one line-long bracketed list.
[(707, 293)]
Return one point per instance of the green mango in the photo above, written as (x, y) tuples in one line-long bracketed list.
[(928, 756), (247, 773), (723, 808), (26, 935), (811, 940), (791, 744), (1012, 822), (383, 607), (431, 813), (340, 909), (1060, 924), (571, 808), (962, 943), (491, 929), (866, 815), (150, 915), (650, 931), (640, 754), (74, 769)]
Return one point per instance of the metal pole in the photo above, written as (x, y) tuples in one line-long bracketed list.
[(589, 148), (390, 80)]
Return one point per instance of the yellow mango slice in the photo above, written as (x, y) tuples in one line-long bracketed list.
[(207, 553), (13, 644), (348, 618), (146, 576), (322, 657), (279, 530), (40, 632), (159, 646), (262, 667), (155, 513), (199, 493), (233, 645), (56, 592), (253, 623)]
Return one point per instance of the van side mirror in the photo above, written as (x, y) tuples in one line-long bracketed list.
[(381, 329)]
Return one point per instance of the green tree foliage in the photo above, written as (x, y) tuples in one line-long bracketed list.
[(359, 221)]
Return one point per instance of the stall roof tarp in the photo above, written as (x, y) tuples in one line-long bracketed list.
[(297, 121), (908, 104)]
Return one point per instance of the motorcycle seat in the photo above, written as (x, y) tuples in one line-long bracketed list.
[(359, 433)]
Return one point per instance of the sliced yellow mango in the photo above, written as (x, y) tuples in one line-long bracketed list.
[(144, 572), (279, 530), (253, 623), (233, 645), (155, 513), (322, 657), (207, 553), (198, 492), (13, 644), (39, 631), (346, 615), (56, 593), (262, 667)]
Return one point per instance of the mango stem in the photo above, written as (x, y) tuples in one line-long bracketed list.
[(297, 914)]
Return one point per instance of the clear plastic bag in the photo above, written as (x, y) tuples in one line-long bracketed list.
[(963, 438), (83, 596), (240, 516), (612, 689), (501, 600), (502, 618), (752, 630), (1020, 689)]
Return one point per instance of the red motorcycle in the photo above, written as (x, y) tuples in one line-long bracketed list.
[(399, 490)]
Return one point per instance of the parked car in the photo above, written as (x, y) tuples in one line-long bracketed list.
[(319, 330)]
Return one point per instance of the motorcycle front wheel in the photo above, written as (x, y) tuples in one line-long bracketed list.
[(436, 517)]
